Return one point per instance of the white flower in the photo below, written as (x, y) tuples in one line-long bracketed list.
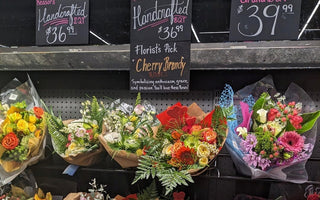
[(242, 131), (139, 109), (262, 115), (112, 137)]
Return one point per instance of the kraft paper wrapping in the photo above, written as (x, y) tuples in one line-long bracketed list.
[(124, 158), (87, 158), (35, 145)]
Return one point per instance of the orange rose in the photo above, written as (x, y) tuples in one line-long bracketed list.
[(38, 111), (10, 141), (195, 128), (210, 136), (176, 135)]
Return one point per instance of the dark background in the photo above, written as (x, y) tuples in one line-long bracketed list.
[(110, 19)]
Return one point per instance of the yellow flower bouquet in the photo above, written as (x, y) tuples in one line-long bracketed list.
[(21, 135)]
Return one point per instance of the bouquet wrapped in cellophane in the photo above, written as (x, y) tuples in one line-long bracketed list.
[(128, 128), (76, 141), (185, 144), (22, 129), (274, 134)]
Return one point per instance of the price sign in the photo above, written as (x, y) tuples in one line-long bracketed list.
[(160, 20), (264, 19), (61, 22), (160, 45)]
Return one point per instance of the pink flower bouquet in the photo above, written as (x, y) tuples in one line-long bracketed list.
[(276, 135)]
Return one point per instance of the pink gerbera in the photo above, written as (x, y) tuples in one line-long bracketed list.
[(292, 141)]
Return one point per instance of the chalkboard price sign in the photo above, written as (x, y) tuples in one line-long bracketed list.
[(264, 19), (162, 20), (160, 66), (60, 22)]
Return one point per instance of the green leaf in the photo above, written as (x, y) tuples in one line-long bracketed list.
[(150, 193), (138, 99)]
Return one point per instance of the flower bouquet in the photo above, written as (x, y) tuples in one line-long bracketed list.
[(128, 129), (185, 144), (276, 135), (22, 133), (22, 129), (76, 141)]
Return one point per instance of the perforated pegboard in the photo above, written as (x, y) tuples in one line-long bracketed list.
[(67, 103)]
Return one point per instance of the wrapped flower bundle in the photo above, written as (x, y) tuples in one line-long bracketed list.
[(185, 144), (22, 133), (128, 128), (76, 141), (276, 135), (275, 138)]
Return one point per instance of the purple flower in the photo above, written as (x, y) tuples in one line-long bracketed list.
[(249, 143), (252, 159), (264, 163)]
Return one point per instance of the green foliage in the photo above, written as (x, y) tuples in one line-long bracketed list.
[(260, 103), (149, 193), (54, 125), (97, 112), (17, 154), (151, 167), (265, 141), (138, 99), (171, 178), (219, 124), (21, 105)]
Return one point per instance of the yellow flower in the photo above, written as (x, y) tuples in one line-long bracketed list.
[(203, 151), (32, 127), (22, 125), (32, 119), (203, 161), (133, 118), (13, 117), (9, 129), (72, 146), (168, 149), (139, 152)]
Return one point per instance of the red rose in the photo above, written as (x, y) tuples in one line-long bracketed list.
[(314, 196), (272, 114), (10, 141), (38, 112), (178, 195)]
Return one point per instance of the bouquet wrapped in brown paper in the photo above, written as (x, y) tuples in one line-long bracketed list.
[(76, 141), (185, 144), (22, 129), (128, 129)]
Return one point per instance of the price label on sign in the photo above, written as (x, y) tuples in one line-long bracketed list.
[(264, 19), (61, 22), (165, 20)]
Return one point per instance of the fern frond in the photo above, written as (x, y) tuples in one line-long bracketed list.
[(138, 99), (171, 178), (150, 193)]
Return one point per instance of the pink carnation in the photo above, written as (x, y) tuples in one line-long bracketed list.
[(292, 141)]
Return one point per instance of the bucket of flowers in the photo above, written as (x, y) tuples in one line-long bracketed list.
[(76, 141), (21, 136), (186, 142), (276, 135), (128, 128)]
